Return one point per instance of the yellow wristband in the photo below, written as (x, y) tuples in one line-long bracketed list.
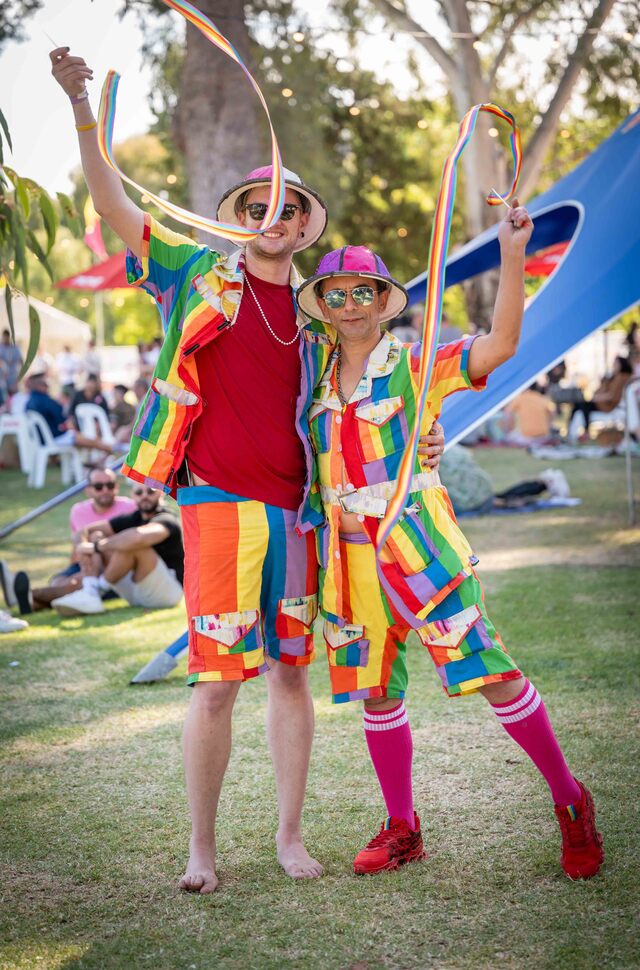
[(94, 124)]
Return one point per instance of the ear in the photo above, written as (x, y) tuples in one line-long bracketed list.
[(304, 221), (242, 217), (383, 298)]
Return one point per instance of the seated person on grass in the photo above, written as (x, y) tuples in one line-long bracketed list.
[(102, 503), (138, 554), (424, 581)]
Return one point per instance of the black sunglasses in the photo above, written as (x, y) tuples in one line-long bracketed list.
[(142, 491), (100, 485), (361, 295), (258, 210)]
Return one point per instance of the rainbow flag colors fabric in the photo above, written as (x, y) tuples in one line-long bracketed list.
[(198, 292), (426, 554), (250, 585), (368, 652), (440, 233)]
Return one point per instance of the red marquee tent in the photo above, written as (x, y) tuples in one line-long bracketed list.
[(109, 275)]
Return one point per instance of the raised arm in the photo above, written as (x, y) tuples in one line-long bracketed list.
[(108, 194), (490, 350)]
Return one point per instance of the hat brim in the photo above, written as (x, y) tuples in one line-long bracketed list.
[(317, 216), (309, 303)]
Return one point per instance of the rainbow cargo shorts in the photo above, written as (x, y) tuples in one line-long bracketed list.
[(367, 655), (250, 585)]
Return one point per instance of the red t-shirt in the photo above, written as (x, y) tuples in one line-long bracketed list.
[(245, 440)]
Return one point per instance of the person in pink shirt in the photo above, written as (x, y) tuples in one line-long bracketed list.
[(103, 503)]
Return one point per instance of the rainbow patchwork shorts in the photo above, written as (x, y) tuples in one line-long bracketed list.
[(250, 585), (367, 655)]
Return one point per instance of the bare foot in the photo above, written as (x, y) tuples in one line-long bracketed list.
[(200, 876), (296, 861)]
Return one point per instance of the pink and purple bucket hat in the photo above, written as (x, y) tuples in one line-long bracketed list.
[(351, 261)]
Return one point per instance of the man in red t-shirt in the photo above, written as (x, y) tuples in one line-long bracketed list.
[(250, 579)]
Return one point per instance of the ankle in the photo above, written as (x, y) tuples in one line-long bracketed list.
[(287, 836)]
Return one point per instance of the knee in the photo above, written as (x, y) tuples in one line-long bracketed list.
[(285, 678), (211, 699), (381, 703), (502, 692)]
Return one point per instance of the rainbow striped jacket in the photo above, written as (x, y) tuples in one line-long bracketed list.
[(361, 444), (198, 294)]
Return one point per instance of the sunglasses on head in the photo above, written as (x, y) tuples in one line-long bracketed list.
[(100, 485), (258, 210), (143, 491), (361, 295)]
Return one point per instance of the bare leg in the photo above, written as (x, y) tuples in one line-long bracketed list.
[(503, 691), (290, 723), (140, 562), (207, 746)]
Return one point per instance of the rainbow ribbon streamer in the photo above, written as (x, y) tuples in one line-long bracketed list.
[(106, 118), (440, 233)]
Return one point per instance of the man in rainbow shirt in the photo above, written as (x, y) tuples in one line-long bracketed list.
[(223, 429), (360, 421)]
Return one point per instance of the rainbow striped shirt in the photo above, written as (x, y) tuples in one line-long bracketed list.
[(362, 444), (198, 293)]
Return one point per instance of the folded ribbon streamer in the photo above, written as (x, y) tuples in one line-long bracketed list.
[(106, 117), (435, 289)]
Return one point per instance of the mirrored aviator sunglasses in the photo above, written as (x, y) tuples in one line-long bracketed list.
[(258, 210), (361, 295)]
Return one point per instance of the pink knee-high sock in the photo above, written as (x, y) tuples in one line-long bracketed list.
[(525, 719), (391, 748)]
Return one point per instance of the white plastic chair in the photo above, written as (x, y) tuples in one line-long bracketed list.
[(93, 422), (44, 448), (18, 426)]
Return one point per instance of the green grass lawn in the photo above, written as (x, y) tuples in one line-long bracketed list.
[(94, 824)]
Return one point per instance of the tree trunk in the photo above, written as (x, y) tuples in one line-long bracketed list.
[(219, 122)]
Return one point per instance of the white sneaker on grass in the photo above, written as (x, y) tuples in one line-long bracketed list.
[(79, 603), (10, 624)]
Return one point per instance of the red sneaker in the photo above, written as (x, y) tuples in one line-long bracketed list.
[(582, 852), (394, 845)]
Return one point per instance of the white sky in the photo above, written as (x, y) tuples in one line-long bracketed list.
[(39, 118)]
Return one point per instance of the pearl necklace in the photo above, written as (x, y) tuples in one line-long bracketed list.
[(285, 343)]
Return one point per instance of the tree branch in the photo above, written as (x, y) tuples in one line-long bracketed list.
[(403, 21), (517, 22), (541, 141)]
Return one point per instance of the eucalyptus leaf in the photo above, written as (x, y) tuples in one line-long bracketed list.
[(50, 218), (8, 299), (34, 340), (70, 215), (38, 252), (5, 128)]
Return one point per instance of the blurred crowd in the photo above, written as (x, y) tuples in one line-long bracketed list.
[(56, 386)]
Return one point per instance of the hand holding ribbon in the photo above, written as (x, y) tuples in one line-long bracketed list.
[(440, 233), (106, 118)]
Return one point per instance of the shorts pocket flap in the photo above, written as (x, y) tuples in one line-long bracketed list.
[(450, 631), (226, 628), (301, 608), (379, 412), (341, 636)]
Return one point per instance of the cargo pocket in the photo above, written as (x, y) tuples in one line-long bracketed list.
[(382, 428), (443, 638), (295, 616), (221, 634), (346, 645)]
